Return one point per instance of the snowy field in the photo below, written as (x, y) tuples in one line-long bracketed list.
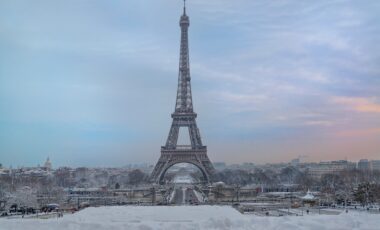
[(188, 217)]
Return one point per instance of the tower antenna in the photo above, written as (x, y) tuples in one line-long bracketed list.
[(184, 7)]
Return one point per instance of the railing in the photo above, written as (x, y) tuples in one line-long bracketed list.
[(183, 147)]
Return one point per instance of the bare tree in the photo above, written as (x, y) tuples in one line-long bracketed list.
[(366, 193), (305, 181), (136, 176)]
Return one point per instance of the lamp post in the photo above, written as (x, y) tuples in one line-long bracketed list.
[(237, 192), (153, 191)]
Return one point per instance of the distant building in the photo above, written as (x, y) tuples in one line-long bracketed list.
[(318, 170), (375, 165), (295, 162), (364, 164), (47, 164), (3, 171), (248, 165), (220, 165)]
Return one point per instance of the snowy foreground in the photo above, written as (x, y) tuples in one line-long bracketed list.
[(188, 217)]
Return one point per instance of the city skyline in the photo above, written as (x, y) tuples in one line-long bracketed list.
[(92, 83), (148, 165)]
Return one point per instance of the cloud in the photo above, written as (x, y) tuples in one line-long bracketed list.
[(319, 123), (359, 104), (359, 132)]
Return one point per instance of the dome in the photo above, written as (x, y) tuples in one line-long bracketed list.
[(48, 164)]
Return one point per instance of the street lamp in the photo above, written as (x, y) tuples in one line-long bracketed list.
[(237, 192)]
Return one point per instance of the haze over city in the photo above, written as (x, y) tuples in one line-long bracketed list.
[(93, 83)]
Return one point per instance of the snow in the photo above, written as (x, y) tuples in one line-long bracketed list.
[(171, 196), (188, 217), (183, 180), (308, 196), (199, 196)]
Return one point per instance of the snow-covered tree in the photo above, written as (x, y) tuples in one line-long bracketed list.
[(366, 193), (137, 177), (24, 196)]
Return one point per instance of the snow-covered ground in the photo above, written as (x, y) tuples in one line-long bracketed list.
[(188, 217), (199, 196), (185, 179)]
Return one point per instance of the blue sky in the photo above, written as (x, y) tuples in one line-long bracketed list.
[(94, 82)]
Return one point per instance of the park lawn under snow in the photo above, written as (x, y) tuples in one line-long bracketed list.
[(188, 217)]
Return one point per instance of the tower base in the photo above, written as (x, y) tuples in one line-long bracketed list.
[(170, 157)]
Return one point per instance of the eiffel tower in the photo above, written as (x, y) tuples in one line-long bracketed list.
[(183, 116)]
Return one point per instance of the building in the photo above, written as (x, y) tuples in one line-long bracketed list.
[(375, 165), (318, 170), (48, 165), (248, 166), (295, 162), (4, 172), (220, 165), (364, 164)]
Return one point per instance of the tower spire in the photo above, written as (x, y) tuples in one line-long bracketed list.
[(184, 102), (184, 7)]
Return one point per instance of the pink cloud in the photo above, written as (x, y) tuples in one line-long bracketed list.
[(359, 104), (358, 132)]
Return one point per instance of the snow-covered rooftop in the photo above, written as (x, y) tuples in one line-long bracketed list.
[(308, 196)]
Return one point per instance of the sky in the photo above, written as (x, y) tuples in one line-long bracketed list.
[(93, 83)]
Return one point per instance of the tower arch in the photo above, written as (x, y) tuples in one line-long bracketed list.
[(205, 175)]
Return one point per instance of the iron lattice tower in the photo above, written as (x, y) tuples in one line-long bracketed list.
[(183, 116)]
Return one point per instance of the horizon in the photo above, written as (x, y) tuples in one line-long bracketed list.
[(91, 83), (152, 164)]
